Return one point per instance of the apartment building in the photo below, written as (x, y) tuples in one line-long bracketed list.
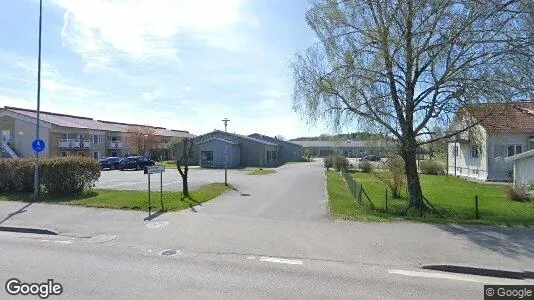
[(67, 135)]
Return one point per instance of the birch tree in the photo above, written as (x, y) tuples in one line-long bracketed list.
[(406, 66)]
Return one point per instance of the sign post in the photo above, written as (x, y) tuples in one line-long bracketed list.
[(153, 170)]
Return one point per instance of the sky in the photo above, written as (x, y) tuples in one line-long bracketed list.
[(179, 64)]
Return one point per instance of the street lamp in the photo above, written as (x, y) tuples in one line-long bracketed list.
[(36, 184), (225, 120), (20, 140)]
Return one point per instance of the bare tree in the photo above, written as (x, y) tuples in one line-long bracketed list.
[(141, 138), (406, 66), (184, 153)]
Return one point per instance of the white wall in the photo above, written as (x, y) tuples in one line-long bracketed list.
[(498, 149), (465, 164), (524, 171)]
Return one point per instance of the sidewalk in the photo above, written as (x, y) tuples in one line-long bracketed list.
[(391, 244)]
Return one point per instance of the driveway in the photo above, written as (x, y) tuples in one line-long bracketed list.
[(294, 192)]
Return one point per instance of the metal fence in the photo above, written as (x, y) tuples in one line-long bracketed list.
[(473, 207)]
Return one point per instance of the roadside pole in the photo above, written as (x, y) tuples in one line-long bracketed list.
[(149, 170), (36, 183)]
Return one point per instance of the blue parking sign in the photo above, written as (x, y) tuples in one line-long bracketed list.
[(38, 145)]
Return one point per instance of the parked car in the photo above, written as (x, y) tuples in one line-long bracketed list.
[(135, 162), (370, 158), (110, 163)]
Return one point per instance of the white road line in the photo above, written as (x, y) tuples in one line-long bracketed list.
[(281, 260), (461, 277), (58, 242)]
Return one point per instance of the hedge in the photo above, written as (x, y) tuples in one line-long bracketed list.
[(58, 175), (336, 161)]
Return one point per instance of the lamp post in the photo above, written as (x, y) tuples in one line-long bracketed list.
[(36, 184), (225, 120), (20, 140)]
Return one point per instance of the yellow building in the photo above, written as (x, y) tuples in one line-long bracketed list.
[(67, 135)]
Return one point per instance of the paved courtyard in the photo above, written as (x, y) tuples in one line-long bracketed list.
[(172, 181)]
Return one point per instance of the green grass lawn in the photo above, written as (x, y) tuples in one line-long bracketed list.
[(135, 200), (261, 172), (453, 197), (168, 164)]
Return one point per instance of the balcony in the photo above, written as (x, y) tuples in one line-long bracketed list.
[(73, 144), (114, 145)]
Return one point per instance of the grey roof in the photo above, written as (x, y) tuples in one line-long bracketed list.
[(217, 139), (269, 138), (64, 120), (89, 123), (338, 144), (241, 136), (160, 131)]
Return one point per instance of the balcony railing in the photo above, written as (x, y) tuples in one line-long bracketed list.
[(73, 143), (114, 145)]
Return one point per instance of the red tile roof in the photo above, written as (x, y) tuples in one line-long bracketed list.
[(504, 118)]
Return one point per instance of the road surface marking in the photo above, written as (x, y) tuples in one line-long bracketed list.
[(281, 260), (59, 242), (461, 277)]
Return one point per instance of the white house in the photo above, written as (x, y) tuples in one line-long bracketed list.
[(504, 130), (523, 168)]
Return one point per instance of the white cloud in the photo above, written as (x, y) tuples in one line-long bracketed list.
[(143, 30)]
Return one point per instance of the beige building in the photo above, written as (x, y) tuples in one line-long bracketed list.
[(67, 135)]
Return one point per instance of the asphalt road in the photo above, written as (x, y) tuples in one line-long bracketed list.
[(269, 239), (294, 192), (103, 271)]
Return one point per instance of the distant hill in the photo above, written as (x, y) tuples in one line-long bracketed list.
[(355, 136)]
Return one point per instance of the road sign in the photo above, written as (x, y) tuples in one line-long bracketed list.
[(38, 145), (154, 169)]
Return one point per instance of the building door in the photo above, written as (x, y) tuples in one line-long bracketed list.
[(96, 155), (6, 136)]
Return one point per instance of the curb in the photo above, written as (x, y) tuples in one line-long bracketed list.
[(481, 271), (28, 230)]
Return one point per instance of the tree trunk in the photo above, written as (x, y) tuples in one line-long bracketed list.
[(185, 186), (415, 195)]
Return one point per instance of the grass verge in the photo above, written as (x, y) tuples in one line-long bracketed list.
[(118, 199), (453, 197), (261, 172)]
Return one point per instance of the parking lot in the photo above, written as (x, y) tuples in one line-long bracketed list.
[(172, 181)]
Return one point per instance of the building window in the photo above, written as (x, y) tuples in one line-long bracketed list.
[(97, 138), (514, 149), (206, 157), (268, 156), (474, 152), (455, 151), (96, 155), (64, 153)]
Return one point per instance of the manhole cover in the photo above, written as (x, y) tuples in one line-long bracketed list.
[(102, 238), (169, 252), (156, 224)]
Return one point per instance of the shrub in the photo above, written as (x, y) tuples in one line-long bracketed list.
[(393, 175), (519, 193), (329, 162), (69, 175), (62, 175), (431, 167), (17, 175), (340, 162), (366, 166)]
